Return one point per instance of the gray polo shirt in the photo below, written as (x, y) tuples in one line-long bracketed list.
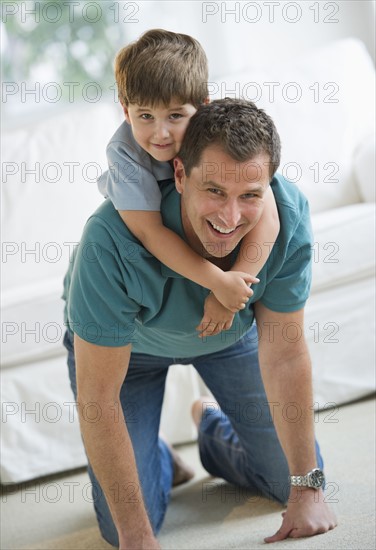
[(131, 181)]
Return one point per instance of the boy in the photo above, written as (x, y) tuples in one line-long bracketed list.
[(162, 81)]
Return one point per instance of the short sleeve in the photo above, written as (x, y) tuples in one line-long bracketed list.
[(129, 184), (103, 292), (288, 289)]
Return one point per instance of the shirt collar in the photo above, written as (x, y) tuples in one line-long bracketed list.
[(161, 170)]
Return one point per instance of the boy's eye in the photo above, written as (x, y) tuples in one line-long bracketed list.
[(146, 116), (176, 116)]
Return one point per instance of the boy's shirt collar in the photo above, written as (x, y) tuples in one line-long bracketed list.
[(161, 170)]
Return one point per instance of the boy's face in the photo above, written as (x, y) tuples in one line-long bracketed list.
[(159, 130)]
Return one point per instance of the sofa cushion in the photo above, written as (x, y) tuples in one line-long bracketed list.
[(340, 331), (40, 433), (365, 168), (32, 323), (344, 246), (49, 190)]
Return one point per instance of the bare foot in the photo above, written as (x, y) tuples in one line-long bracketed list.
[(182, 472), (199, 407)]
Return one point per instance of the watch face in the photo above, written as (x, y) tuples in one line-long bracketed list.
[(316, 478)]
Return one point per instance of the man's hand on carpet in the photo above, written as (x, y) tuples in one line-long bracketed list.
[(142, 542), (307, 515)]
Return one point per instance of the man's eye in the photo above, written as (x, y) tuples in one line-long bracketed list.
[(249, 196), (214, 191)]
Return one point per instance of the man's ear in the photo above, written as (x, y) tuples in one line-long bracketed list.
[(179, 173), (206, 101)]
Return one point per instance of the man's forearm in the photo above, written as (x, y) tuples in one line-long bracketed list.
[(111, 455), (288, 386), (286, 370)]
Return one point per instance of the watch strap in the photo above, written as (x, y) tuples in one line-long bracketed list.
[(315, 479), (299, 481)]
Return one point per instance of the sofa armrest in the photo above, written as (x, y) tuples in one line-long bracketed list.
[(365, 167)]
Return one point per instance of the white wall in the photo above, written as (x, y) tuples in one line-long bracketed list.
[(237, 34)]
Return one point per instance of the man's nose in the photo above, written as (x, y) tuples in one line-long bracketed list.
[(230, 214)]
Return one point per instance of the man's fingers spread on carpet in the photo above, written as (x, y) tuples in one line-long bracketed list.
[(308, 531), (281, 534)]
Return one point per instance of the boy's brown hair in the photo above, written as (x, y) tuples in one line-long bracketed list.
[(161, 66)]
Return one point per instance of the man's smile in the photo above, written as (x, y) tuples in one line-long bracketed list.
[(222, 230)]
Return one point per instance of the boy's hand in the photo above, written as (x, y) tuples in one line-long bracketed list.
[(216, 318), (233, 290)]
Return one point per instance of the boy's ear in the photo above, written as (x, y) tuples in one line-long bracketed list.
[(179, 173), (126, 113), (206, 101)]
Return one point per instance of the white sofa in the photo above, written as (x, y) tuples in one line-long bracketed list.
[(323, 105)]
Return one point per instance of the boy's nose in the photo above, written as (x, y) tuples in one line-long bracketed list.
[(161, 131)]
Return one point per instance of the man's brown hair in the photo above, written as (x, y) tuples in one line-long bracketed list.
[(239, 127), (161, 66)]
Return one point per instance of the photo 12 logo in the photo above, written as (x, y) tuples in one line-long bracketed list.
[(55, 12), (290, 92), (270, 12)]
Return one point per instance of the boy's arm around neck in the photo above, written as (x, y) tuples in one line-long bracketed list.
[(176, 254), (257, 245)]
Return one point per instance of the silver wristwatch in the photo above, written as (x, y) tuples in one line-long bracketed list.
[(314, 479)]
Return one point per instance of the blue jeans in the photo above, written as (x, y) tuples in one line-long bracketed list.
[(237, 442)]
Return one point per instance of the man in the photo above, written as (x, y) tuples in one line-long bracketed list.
[(132, 317)]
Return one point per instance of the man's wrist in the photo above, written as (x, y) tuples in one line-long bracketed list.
[(135, 538), (299, 490), (302, 494), (315, 479)]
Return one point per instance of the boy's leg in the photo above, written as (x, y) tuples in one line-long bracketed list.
[(141, 399), (237, 438)]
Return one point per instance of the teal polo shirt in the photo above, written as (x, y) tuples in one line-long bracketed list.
[(117, 293)]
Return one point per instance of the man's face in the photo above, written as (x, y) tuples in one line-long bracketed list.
[(222, 200)]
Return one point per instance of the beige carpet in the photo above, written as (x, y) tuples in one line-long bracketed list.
[(56, 513)]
